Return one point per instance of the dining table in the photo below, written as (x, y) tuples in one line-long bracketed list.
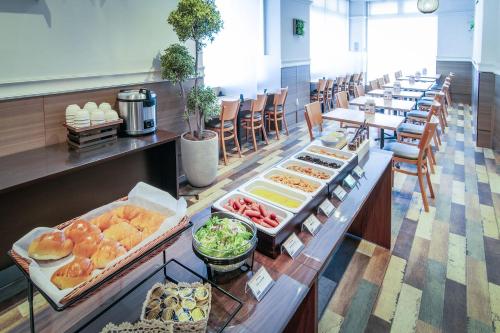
[(398, 105), (403, 94), (406, 85), (420, 79), (376, 120), (433, 76)]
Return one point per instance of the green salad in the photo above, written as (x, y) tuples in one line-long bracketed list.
[(223, 238)]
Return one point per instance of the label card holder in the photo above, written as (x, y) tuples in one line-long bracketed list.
[(312, 225), (327, 207), (292, 246), (358, 171), (349, 182), (260, 283), (339, 193)]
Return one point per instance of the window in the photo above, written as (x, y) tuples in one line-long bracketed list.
[(383, 8), (410, 7), (406, 43)]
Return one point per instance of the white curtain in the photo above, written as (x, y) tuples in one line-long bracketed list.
[(407, 43)]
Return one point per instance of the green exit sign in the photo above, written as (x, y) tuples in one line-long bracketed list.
[(298, 27)]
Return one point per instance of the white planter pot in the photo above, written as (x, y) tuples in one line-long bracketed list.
[(200, 160)]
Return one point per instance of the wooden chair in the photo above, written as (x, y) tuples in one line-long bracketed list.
[(374, 84), (417, 156), (386, 78), (359, 91), (320, 91), (329, 94), (340, 83), (276, 113), (381, 82), (353, 84), (360, 79), (341, 100), (414, 132), (313, 117), (347, 79), (226, 125), (254, 120)]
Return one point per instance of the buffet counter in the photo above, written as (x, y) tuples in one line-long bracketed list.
[(290, 305)]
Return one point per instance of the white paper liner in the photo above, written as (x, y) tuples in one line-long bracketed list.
[(142, 195), (154, 326)]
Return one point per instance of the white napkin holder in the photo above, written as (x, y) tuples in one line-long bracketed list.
[(387, 97), (370, 106), (424, 71), (418, 75), (411, 79), (396, 89)]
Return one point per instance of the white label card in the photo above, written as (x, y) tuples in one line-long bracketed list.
[(260, 283), (340, 193), (358, 171), (327, 207), (312, 224), (293, 245), (349, 181)]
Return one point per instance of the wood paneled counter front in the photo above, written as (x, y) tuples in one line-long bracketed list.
[(291, 305)]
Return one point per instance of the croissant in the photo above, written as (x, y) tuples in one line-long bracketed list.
[(50, 246), (79, 229), (107, 251), (128, 212), (132, 240), (119, 231), (87, 246), (72, 274), (148, 222)]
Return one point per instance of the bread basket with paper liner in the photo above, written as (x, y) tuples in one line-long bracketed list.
[(56, 279)]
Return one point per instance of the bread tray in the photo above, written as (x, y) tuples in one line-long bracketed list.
[(109, 273)]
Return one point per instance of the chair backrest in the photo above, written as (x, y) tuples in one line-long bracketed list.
[(355, 78), (329, 84), (360, 90), (340, 80), (374, 84), (433, 111), (360, 77), (386, 78), (342, 100), (282, 96), (321, 85), (259, 104), (229, 110), (313, 117), (381, 82), (429, 129), (347, 78)]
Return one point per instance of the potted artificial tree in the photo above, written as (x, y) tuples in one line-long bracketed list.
[(199, 21)]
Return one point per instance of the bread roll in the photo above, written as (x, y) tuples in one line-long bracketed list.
[(132, 240), (107, 251), (87, 246), (72, 274), (79, 230), (50, 246), (119, 231), (106, 220), (148, 222), (128, 212)]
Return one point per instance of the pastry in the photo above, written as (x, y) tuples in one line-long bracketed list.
[(87, 246), (132, 239), (79, 229), (106, 220), (50, 246), (148, 222), (107, 251), (119, 231), (72, 274), (128, 212)]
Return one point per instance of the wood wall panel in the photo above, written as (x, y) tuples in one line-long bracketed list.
[(297, 79), (496, 129), (34, 122), (21, 125), (483, 107), (462, 84)]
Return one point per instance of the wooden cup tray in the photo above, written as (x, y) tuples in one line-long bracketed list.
[(93, 135), (104, 275)]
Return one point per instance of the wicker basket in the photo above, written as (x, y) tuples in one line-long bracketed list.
[(152, 326), (131, 256), (199, 326)]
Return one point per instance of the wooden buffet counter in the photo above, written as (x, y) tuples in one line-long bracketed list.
[(291, 305), (50, 185)]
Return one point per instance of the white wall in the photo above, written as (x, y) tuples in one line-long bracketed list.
[(59, 45), (454, 36), (235, 61), (295, 50), (486, 54)]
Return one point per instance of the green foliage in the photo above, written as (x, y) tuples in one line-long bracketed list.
[(196, 19), (298, 27), (203, 97), (176, 63)]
